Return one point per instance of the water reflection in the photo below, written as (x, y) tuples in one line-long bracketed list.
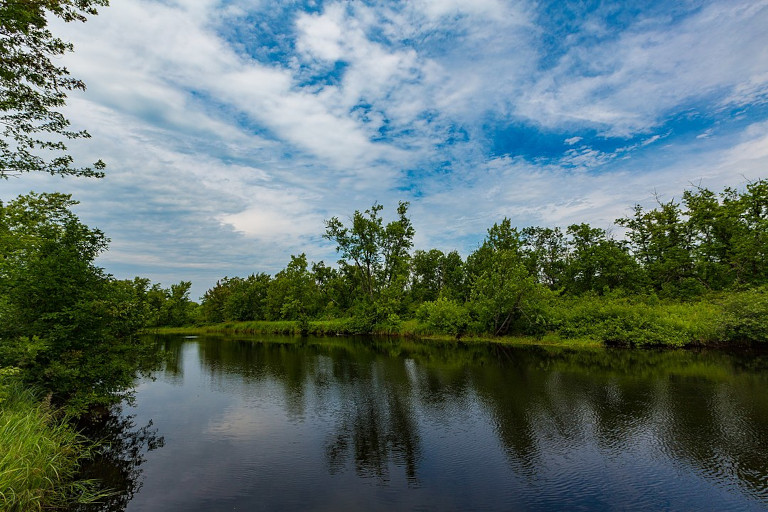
[(297, 423), (376, 421), (123, 448)]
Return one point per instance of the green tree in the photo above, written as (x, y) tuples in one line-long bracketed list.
[(505, 297), (662, 241), (66, 323), (713, 226), (454, 284), (501, 237), (247, 298), (376, 257), (177, 309), (212, 306), (435, 274), (335, 288), (426, 275), (293, 294), (545, 253), (33, 88), (444, 315), (598, 263), (750, 242)]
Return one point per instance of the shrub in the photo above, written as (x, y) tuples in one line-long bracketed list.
[(745, 316), (445, 316), (638, 323)]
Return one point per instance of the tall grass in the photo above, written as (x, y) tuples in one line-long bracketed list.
[(315, 327), (638, 321), (39, 455)]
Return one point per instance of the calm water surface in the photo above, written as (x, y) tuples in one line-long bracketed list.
[(260, 423)]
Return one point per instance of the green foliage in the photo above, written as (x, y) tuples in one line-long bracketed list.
[(334, 287), (39, 454), (63, 321), (167, 307), (212, 307), (435, 274), (236, 299), (598, 263), (8, 376), (662, 242), (377, 253), (505, 298), (444, 316), (293, 293), (376, 260), (33, 88), (746, 315), (545, 252), (624, 321), (715, 243), (655, 288), (247, 298), (426, 275)]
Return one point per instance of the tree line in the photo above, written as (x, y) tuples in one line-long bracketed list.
[(706, 244)]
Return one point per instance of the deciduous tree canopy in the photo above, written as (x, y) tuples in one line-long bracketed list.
[(33, 88)]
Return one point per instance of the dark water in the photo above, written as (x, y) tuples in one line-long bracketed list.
[(358, 424)]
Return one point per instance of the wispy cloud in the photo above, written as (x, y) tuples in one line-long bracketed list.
[(232, 129)]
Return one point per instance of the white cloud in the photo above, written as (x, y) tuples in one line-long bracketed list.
[(227, 164), (634, 79), (276, 215), (572, 140), (321, 35)]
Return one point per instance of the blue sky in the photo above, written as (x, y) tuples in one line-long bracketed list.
[(232, 129)]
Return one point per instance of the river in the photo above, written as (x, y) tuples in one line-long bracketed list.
[(269, 423)]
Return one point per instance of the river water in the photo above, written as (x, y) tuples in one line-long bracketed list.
[(270, 423)]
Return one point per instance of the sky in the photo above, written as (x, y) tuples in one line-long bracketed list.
[(233, 129)]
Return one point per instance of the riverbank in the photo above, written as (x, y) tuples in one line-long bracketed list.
[(340, 327), (733, 319), (40, 454)]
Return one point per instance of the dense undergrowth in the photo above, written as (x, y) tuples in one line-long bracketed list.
[(40, 453), (638, 321)]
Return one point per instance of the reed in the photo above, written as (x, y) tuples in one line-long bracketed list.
[(39, 455)]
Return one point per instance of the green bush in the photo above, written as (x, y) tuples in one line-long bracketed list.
[(444, 316), (622, 321), (745, 315)]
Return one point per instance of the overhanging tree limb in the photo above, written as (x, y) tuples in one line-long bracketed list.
[(33, 88)]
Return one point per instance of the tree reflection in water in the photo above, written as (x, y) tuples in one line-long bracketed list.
[(117, 463), (376, 424), (551, 426)]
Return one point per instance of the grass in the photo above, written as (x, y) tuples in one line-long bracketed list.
[(340, 327), (333, 327), (39, 455), (585, 321)]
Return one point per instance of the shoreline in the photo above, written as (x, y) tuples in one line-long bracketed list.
[(333, 328)]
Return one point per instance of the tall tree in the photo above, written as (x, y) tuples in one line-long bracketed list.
[(63, 321), (662, 241), (426, 275), (598, 263), (293, 294), (545, 253), (33, 88), (378, 253)]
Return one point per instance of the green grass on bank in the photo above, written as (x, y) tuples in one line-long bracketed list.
[(341, 327), (39, 454), (718, 320)]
